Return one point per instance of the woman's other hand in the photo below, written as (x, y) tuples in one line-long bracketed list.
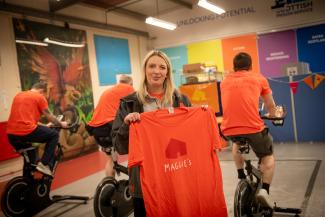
[(132, 117)]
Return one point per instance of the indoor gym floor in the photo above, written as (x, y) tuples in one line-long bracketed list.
[(299, 180)]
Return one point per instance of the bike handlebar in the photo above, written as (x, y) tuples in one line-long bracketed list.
[(65, 128), (71, 125), (273, 118), (277, 121)]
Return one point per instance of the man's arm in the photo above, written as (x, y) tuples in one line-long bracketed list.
[(269, 104), (51, 118)]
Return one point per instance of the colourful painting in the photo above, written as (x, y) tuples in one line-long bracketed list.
[(65, 69)]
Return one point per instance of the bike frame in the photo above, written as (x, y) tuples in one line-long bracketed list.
[(112, 197), (247, 189), (27, 195)]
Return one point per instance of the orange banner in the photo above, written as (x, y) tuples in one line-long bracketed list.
[(309, 81), (202, 94), (233, 46), (318, 80)]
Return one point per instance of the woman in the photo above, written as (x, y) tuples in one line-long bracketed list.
[(156, 91)]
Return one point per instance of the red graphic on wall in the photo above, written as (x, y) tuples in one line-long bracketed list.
[(175, 149)]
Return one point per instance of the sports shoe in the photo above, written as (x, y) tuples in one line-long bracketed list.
[(44, 169), (263, 197)]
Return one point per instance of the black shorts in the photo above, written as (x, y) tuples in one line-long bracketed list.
[(261, 143), (102, 134)]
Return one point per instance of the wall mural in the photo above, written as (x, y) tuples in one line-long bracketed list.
[(66, 71)]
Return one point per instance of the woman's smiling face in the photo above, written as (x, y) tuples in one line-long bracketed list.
[(156, 72)]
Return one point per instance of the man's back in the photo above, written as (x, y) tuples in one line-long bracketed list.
[(25, 112), (240, 99), (108, 104)]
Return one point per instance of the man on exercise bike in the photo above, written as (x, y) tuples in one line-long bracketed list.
[(100, 125), (23, 128), (241, 91)]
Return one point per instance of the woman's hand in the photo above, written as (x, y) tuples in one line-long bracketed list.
[(132, 117)]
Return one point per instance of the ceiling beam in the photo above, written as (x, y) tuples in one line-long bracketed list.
[(25, 11), (114, 8), (58, 5), (133, 14), (183, 3)]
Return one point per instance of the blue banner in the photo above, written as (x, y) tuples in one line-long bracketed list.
[(178, 57), (311, 47), (113, 57)]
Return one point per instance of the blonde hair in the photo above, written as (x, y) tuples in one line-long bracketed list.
[(168, 85)]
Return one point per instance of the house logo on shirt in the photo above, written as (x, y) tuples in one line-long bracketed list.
[(175, 148), (176, 152)]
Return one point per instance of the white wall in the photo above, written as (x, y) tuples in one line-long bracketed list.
[(137, 48), (260, 18), (9, 73)]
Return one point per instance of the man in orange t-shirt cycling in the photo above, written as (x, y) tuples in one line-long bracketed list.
[(241, 91), (100, 125), (23, 128)]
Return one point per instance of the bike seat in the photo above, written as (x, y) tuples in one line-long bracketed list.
[(29, 153), (25, 150)]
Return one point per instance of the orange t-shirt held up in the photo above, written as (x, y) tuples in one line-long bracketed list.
[(179, 169)]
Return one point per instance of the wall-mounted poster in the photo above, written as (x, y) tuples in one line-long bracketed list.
[(204, 94), (311, 47), (276, 50), (232, 46), (113, 57), (206, 52), (63, 64)]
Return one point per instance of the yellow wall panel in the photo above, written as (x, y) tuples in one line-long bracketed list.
[(207, 52)]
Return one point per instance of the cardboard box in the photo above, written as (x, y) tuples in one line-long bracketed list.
[(193, 68)]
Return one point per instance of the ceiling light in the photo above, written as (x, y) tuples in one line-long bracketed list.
[(211, 7), (65, 44), (24, 41), (160, 23)]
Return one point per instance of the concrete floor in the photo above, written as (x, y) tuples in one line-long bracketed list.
[(299, 182)]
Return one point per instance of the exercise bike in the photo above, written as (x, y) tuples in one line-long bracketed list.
[(29, 194), (245, 201), (112, 197)]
